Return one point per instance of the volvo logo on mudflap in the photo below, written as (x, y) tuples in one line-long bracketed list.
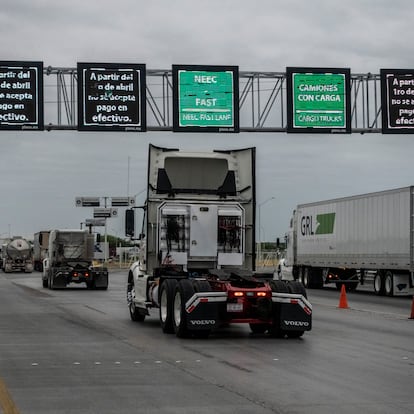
[(296, 323), (203, 322)]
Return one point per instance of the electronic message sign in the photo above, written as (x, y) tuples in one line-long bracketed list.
[(318, 100), (397, 101), (21, 95), (205, 98), (111, 97)]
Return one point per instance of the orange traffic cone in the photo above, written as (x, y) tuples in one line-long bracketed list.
[(412, 309), (343, 302)]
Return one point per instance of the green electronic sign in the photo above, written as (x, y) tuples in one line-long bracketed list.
[(205, 98), (318, 100)]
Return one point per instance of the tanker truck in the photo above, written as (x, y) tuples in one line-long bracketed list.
[(196, 261), (70, 260), (365, 239), (17, 256)]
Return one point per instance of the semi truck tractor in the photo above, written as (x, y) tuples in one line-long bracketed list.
[(365, 239), (40, 247), (196, 256), (17, 256), (70, 260)]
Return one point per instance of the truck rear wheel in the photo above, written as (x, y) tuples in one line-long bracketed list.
[(298, 288), (50, 282), (379, 284), (167, 292), (312, 278), (275, 330), (183, 291), (389, 283), (201, 286)]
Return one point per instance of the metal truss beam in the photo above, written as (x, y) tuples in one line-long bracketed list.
[(262, 101)]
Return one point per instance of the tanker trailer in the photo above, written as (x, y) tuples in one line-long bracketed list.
[(17, 256)]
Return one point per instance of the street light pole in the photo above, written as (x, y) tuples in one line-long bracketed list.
[(259, 248)]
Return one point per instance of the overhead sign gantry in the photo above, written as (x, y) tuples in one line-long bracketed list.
[(203, 98)]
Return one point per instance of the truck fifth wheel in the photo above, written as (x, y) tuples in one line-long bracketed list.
[(196, 260)]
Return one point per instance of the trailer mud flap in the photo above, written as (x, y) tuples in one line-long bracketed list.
[(294, 311), (202, 310)]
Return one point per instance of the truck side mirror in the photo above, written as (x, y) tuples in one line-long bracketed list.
[(130, 223)]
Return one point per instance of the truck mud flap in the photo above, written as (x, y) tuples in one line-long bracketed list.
[(59, 281), (202, 310), (101, 280), (295, 311)]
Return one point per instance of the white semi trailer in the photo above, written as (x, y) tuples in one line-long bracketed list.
[(355, 240)]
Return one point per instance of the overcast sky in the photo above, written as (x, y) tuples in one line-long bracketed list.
[(41, 173)]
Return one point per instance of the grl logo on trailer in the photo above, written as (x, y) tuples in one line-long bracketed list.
[(324, 224)]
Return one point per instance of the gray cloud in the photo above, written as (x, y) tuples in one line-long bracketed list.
[(41, 173)]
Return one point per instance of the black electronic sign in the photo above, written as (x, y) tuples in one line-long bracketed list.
[(21, 95), (205, 98), (111, 97), (318, 100), (397, 101)]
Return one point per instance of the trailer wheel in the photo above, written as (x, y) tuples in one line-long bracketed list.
[(275, 329), (301, 274), (389, 283), (306, 277), (379, 284), (183, 291), (167, 292)]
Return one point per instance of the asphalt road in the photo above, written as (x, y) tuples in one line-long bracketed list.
[(76, 351)]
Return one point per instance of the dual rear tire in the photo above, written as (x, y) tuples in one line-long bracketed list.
[(384, 283), (173, 315), (295, 287)]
